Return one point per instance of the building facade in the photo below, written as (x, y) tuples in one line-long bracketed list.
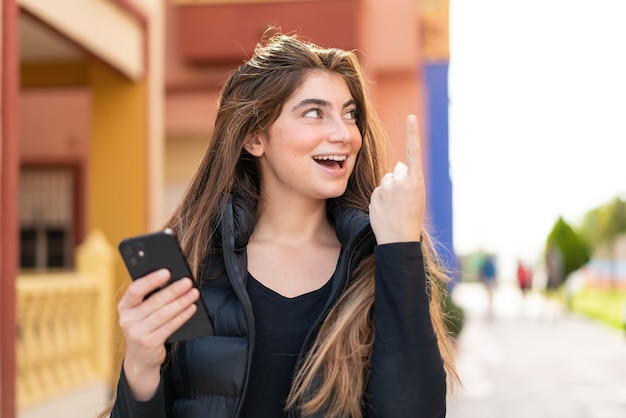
[(106, 107)]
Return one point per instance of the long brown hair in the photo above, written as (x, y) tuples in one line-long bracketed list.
[(251, 100)]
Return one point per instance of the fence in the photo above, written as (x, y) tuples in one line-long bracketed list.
[(65, 325)]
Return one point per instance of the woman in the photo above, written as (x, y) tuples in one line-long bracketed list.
[(310, 259)]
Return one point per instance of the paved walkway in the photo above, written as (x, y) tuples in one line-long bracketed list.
[(532, 360)]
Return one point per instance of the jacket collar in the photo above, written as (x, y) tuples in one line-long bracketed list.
[(349, 222)]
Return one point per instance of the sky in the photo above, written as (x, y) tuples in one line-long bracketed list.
[(537, 119)]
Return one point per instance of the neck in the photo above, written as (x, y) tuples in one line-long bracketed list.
[(293, 223)]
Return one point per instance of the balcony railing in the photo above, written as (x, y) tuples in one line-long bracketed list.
[(65, 325)]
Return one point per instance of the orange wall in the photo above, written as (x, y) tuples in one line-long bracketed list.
[(235, 28), (398, 95), (389, 35), (54, 125), (190, 112)]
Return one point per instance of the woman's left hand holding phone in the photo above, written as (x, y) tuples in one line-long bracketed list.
[(148, 322)]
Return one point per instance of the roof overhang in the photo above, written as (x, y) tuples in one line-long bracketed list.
[(97, 27)]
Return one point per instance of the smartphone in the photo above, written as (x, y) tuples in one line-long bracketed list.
[(146, 253)]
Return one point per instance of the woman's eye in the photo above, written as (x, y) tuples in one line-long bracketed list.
[(313, 113), (351, 114)]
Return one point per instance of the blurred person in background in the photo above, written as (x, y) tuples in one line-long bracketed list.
[(311, 255), (488, 277), (554, 269), (524, 277)]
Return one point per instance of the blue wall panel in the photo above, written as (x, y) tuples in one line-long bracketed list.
[(439, 183)]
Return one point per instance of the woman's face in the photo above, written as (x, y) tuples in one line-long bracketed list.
[(311, 149)]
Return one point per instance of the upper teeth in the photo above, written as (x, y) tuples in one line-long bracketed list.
[(330, 157)]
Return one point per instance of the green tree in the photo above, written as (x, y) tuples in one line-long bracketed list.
[(603, 224), (574, 249)]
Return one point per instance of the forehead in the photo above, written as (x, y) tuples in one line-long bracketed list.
[(324, 85)]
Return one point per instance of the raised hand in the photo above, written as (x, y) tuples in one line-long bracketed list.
[(147, 323), (398, 204)]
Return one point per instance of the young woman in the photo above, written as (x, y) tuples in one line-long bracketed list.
[(323, 286)]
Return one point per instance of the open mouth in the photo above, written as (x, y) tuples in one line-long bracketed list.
[(332, 161)]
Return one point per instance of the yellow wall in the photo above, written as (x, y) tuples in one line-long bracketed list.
[(117, 178), (117, 185)]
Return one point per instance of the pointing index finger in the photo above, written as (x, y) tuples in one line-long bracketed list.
[(413, 148)]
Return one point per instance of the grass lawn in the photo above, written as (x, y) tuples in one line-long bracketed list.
[(604, 305)]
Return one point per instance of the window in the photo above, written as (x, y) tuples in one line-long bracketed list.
[(46, 218)]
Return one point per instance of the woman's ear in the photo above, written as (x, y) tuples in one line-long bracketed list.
[(253, 143)]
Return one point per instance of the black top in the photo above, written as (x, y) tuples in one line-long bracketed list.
[(281, 326)]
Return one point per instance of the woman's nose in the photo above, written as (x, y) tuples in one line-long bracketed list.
[(339, 131)]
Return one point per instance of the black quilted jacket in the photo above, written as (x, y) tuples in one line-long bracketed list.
[(206, 377)]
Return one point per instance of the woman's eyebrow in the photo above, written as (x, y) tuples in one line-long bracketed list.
[(320, 103), (306, 102)]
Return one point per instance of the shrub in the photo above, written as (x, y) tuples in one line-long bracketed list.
[(573, 248), (454, 314)]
